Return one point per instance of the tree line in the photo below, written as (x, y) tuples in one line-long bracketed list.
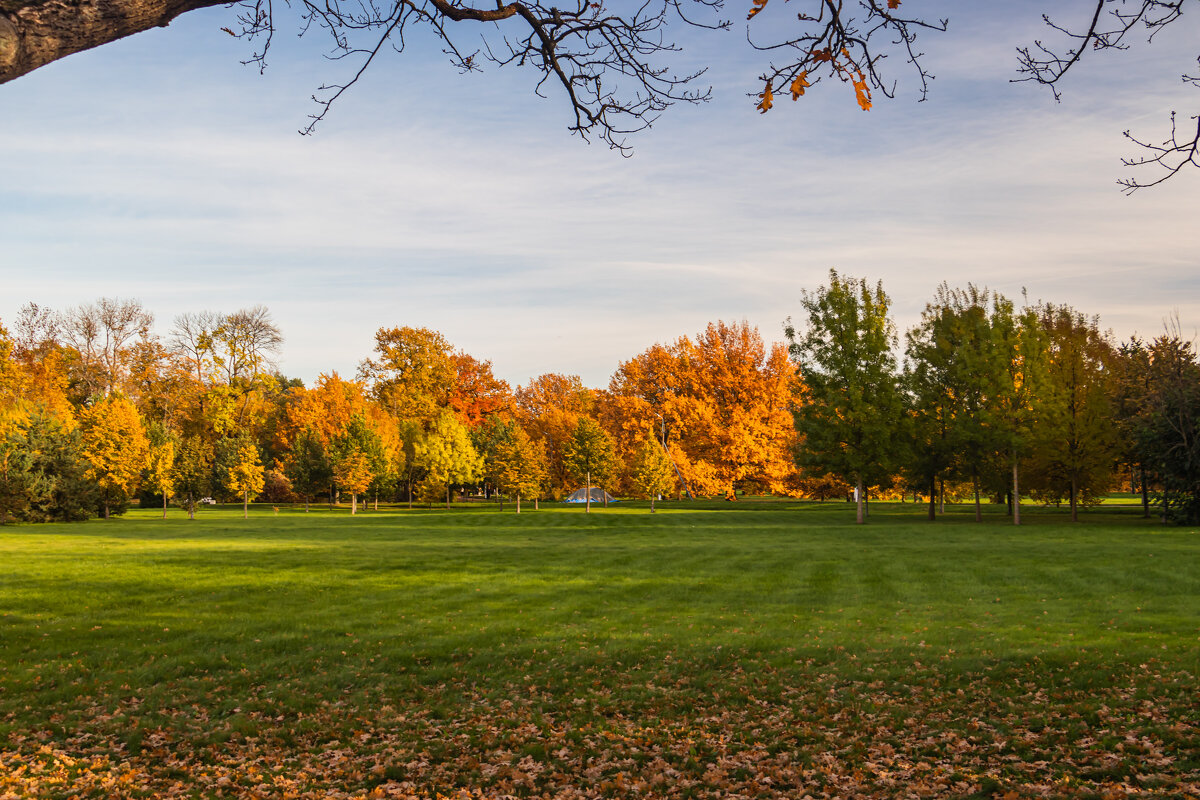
[(983, 400)]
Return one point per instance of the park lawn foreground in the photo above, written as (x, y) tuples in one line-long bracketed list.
[(722, 650)]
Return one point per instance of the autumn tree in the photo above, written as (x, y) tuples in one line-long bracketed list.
[(358, 456), (1166, 427), (1076, 449), (412, 373), (956, 371), (518, 465), (1022, 355), (160, 462), (589, 455), (477, 393), (193, 472), (100, 335), (549, 408), (447, 454), (1129, 383), (849, 412), (114, 447), (653, 472), (240, 469), (307, 466)]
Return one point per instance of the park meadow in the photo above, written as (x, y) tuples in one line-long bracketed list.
[(764, 648)]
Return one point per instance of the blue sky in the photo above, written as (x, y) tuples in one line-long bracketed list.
[(160, 168)]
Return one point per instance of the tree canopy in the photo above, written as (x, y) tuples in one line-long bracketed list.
[(616, 69)]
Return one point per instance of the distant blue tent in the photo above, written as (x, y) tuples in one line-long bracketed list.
[(598, 496)]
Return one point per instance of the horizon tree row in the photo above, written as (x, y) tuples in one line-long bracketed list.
[(1035, 401), (95, 409)]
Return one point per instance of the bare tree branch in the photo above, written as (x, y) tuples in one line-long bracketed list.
[(605, 63)]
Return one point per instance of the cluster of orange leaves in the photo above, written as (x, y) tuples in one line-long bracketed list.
[(848, 72)]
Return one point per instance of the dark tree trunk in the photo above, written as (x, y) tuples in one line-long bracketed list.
[(1016, 490), (932, 499), (859, 516), (1074, 500), (1145, 496), (978, 508)]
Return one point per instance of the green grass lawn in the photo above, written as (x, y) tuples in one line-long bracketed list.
[(751, 649)]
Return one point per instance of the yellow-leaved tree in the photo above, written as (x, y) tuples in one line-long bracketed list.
[(519, 465), (352, 473), (653, 472), (448, 455), (114, 446), (246, 475), (160, 463)]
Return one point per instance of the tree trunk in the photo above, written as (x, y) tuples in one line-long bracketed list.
[(1016, 492), (1074, 500), (353, 503), (652, 504), (164, 505), (376, 500), (246, 506), (535, 504), (518, 503), (1145, 496), (447, 497), (305, 504), (941, 495), (858, 501), (410, 493), (975, 488), (932, 499), (34, 33), (500, 497), (106, 506), (587, 499)]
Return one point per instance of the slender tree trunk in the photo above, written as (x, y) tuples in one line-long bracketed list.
[(941, 495), (587, 508), (106, 507), (246, 505), (353, 503), (305, 504), (651, 503), (535, 504), (1074, 500), (376, 500), (447, 497), (1145, 495), (500, 497), (932, 499), (978, 509), (1016, 492), (164, 505), (518, 502), (858, 501), (410, 493)]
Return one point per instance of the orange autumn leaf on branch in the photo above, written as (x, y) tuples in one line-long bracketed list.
[(759, 5), (862, 92), (767, 99), (893, 4), (800, 84)]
